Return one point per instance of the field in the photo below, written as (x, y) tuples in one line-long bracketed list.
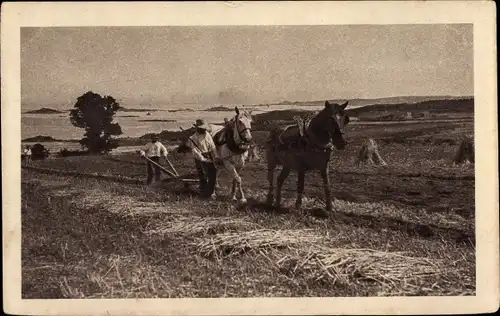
[(92, 229)]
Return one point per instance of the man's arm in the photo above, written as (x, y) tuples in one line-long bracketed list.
[(196, 152), (144, 150), (212, 147), (163, 150)]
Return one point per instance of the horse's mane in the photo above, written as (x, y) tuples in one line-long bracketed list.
[(316, 127), (316, 121)]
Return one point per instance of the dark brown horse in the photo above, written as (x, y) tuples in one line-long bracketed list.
[(305, 147)]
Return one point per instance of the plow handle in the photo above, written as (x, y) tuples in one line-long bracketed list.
[(172, 166), (161, 167)]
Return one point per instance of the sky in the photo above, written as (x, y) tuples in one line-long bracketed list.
[(160, 65)]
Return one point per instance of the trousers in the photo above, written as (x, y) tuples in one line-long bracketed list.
[(153, 170), (207, 174)]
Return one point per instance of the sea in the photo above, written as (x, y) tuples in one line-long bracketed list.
[(135, 124)]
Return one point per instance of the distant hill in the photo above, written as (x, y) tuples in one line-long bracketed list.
[(44, 111), (123, 109), (158, 120), (47, 139), (181, 110), (386, 101), (458, 105), (219, 109), (40, 138), (279, 115)]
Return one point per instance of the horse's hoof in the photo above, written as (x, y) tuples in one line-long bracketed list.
[(243, 201), (234, 199)]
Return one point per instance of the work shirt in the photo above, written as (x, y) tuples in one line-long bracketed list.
[(27, 152), (203, 145), (155, 149)]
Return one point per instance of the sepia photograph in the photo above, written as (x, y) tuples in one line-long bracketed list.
[(239, 161)]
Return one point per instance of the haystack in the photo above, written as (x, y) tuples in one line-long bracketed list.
[(369, 153), (391, 270), (196, 225), (230, 243), (465, 152)]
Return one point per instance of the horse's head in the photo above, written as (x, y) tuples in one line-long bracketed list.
[(242, 126), (331, 122), (338, 111)]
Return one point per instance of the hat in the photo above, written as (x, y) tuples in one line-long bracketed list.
[(200, 123)]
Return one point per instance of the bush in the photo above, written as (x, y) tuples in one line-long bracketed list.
[(71, 153), (39, 152)]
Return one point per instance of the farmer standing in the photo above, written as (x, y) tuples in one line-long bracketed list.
[(153, 150), (205, 155), (27, 154)]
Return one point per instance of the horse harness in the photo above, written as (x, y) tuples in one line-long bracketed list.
[(303, 141)]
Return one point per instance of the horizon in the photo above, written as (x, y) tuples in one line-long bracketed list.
[(222, 65), (175, 106)]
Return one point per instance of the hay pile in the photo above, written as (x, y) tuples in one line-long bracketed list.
[(369, 153), (229, 244), (346, 266), (118, 204), (465, 151), (195, 225), (303, 254)]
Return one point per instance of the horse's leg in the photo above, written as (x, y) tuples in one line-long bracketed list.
[(233, 190), (281, 179), (300, 189), (270, 179), (326, 188), (240, 188), (236, 180)]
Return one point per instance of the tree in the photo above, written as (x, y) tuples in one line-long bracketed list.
[(95, 114)]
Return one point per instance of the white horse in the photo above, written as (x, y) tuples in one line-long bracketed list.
[(233, 141)]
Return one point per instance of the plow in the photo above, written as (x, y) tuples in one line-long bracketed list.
[(174, 176)]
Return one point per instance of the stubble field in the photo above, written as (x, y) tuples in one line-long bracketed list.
[(92, 229)]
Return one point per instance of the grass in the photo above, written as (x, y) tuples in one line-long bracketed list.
[(92, 230)]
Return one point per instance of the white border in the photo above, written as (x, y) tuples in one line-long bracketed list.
[(480, 13)]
